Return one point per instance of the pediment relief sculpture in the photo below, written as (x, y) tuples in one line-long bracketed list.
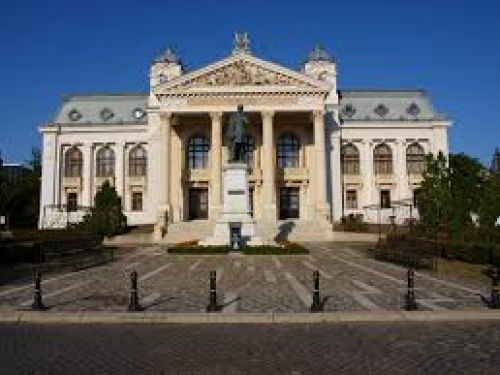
[(242, 73)]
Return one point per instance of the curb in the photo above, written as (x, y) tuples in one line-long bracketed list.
[(91, 317)]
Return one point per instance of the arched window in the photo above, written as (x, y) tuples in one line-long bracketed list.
[(197, 152), (105, 162), (382, 159), (288, 151), (249, 148), (350, 159), (415, 158), (137, 161), (73, 162)]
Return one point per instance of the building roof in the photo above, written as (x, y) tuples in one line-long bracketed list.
[(103, 108), (387, 105)]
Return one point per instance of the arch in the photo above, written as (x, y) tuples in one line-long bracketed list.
[(382, 159), (138, 161), (350, 159), (415, 158), (105, 162), (197, 152), (73, 162), (288, 151)]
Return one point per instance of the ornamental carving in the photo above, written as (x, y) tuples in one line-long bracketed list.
[(242, 73)]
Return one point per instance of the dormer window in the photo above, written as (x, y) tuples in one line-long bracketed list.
[(74, 115), (413, 109), (349, 110), (106, 114), (138, 113), (381, 110)]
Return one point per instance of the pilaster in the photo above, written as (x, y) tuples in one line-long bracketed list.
[(216, 165), (322, 210), (119, 171), (87, 198)]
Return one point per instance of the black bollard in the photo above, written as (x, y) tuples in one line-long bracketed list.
[(410, 301), (316, 305), (134, 298), (212, 299), (494, 302), (37, 295)]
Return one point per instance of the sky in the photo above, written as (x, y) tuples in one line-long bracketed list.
[(450, 48)]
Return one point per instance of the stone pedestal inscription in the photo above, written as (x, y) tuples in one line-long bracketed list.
[(235, 210)]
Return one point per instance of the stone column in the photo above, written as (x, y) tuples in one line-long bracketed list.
[(158, 170), (50, 172), (319, 147), (216, 165), (87, 199), (268, 167)]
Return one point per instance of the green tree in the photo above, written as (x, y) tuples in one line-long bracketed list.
[(106, 217), (25, 206), (466, 180), (435, 194), (489, 201)]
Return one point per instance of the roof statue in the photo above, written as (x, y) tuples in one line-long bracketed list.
[(241, 43)]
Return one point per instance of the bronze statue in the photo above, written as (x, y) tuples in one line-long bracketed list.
[(236, 135)]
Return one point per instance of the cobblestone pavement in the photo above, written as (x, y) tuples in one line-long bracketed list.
[(356, 348), (350, 281)]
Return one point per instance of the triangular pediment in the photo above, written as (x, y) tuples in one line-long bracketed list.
[(242, 72)]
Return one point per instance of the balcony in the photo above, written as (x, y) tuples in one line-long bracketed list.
[(292, 174), (72, 182), (195, 175)]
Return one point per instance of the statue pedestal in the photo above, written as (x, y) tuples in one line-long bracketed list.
[(235, 216)]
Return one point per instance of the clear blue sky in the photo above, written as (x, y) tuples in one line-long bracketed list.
[(451, 48)]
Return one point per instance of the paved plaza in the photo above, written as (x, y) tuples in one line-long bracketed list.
[(349, 348), (350, 281)]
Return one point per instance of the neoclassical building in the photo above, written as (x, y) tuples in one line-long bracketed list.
[(315, 152)]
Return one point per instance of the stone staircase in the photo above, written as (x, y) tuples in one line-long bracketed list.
[(303, 230), (188, 231), (292, 230)]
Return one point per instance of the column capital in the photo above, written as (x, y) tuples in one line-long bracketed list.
[(319, 114), (267, 114), (215, 116), (166, 116)]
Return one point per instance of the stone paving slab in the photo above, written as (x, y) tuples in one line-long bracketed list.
[(349, 282)]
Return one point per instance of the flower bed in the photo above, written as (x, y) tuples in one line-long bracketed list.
[(191, 247)]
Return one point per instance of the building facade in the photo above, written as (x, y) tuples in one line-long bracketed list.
[(315, 152)]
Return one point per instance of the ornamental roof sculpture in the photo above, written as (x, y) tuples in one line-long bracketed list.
[(241, 43)]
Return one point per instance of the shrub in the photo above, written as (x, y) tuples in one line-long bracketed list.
[(106, 218)]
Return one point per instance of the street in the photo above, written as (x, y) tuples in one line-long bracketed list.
[(361, 348)]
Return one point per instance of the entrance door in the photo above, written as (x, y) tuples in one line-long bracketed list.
[(289, 203), (198, 203)]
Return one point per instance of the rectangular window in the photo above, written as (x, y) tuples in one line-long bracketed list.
[(416, 193), (71, 202), (351, 199), (385, 198), (136, 201)]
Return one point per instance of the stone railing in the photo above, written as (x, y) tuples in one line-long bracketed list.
[(58, 217)]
